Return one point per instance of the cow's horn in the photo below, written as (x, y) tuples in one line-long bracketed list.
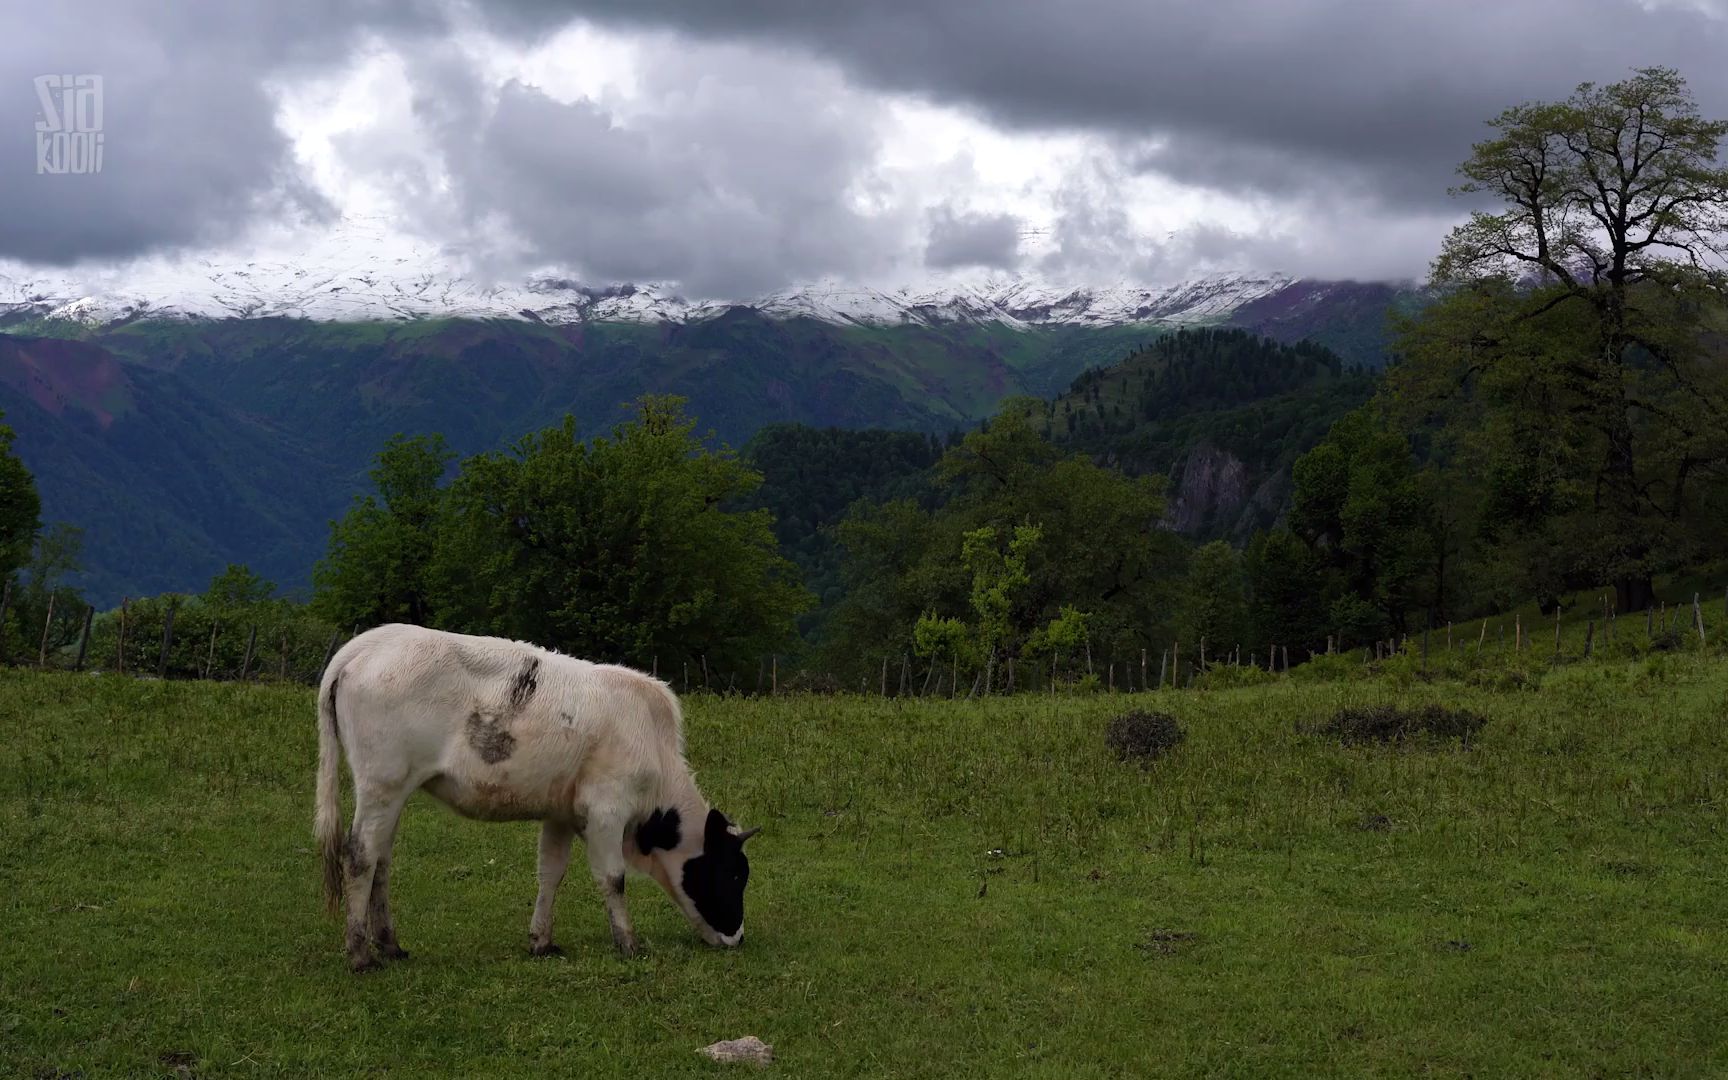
[(748, 833)]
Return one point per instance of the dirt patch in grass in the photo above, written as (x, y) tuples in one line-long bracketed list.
[(1166, 942), (1389, 723)]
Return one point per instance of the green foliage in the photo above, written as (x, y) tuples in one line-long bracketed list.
[(1574, 375), (211, 632), (811, 477), (1214, 601), (20, 508), (377, 568), (621, 548), (47, 612), (1369, 516), (1096, 549)]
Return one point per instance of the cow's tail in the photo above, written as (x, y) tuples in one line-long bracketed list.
[(328, 822)]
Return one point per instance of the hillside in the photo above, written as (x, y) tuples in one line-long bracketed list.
[(1222, 412), (166, 482), (183, 445), (281, 415)]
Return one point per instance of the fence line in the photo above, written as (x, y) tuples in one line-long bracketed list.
[(1666, 627)]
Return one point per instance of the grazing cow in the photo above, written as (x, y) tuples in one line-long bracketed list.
[(505, 731)]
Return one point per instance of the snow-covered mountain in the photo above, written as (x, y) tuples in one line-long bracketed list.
[(364, 272)]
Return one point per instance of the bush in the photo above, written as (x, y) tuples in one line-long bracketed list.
[(1143, 736), (1389, 723)]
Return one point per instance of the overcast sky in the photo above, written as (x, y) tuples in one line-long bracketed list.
[(735, 148)]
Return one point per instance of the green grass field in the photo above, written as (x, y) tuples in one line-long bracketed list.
[(942, 889)]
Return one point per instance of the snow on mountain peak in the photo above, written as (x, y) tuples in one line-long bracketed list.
[(364, 271)]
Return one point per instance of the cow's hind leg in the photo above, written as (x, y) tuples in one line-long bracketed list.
[(555, 838), (378, 921), (376, 811), (604, 838)]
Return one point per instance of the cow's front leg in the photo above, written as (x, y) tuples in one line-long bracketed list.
[(604, 838), (555, 838)]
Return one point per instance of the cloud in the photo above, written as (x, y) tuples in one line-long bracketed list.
[(958, 239), (733, 148), (191, 151), (1243, 95), (719, 182)]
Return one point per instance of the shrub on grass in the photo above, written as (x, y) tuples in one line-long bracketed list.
[(1143, 736), (1390, 723)]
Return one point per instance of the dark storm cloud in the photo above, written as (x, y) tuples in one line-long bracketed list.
[(960, 239), (1249, 95), (191, 148)]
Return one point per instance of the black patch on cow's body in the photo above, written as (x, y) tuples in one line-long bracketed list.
[(527, 681), (489, 739), (715, 880), (662, 830), (617, 884)]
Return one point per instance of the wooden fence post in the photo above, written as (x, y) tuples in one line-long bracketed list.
[(1589, 638), (246, 663), (885, 677), (1698, 616), (210, 657), (1175, 664), (84, 638), (1286, 649), (167, 640), (47, 625), (776, 676), (1483, 636)]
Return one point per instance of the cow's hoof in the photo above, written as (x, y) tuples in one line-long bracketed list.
[(392, 952), (547, 949), (362, 964), (626, 944)]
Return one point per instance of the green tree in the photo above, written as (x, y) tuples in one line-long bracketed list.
[(1290, 590), (376, 569), (1214, 600), (238, 586), (621, 548), (20, 508), (1575, 342), (1100, 547), (45, 599), (1361, 504)]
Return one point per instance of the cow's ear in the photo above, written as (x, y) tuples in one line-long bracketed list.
[(661, 830), (717, 831)]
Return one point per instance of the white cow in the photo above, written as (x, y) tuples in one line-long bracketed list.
[(504, 731)]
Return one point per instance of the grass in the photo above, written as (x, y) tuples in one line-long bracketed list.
[(942, 889)]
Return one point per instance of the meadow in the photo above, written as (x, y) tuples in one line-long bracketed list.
[(942, 888)]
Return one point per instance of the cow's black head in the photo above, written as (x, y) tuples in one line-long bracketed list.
[(707, 881)]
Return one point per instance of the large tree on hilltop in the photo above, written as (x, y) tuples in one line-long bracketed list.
[(1574, 346)]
